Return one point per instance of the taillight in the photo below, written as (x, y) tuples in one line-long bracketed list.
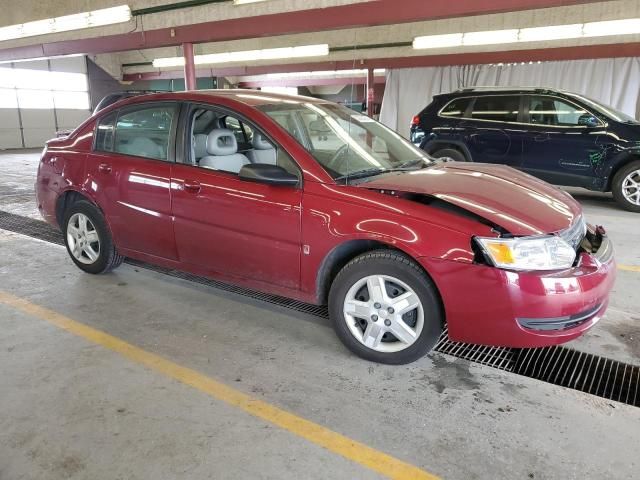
[(415, 121)]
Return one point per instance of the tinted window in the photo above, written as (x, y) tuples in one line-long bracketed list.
[(104, 133), (545, 110), (145, 131), (455, 108), (502, 108)]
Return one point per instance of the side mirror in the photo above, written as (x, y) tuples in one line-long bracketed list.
[(269, 174), (587, 120)]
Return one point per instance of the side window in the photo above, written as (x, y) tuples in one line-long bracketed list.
[(104, 133), (214, 149), (456, 108), (544, 110), (145, 131), (502, 108)]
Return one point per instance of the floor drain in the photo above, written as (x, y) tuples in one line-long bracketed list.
[(561, 366)]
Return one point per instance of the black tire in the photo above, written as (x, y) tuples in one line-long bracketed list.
[(108, 257), (401, 267), (452, 153), (617, 184)]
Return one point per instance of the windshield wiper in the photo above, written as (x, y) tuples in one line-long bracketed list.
[(369, 172)]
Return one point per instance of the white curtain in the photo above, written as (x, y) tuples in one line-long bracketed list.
[(612, 81)]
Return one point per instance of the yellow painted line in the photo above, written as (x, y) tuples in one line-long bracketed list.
[(344, 446), (629, 268)]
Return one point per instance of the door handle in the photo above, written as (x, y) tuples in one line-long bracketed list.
[(192, 186), (104, 168)]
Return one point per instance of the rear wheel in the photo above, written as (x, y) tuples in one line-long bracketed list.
[(626, 187), (88, 239), (385, 308), (451, 153)]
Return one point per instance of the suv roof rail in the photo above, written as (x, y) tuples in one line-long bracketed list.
[(505, 88), (113, 97)]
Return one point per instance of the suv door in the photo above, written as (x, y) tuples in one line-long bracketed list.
[(233, 227), (129, 175), (491, 130), (559, 147)]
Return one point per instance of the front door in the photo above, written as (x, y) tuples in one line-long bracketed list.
[(234, 227), (129, 175), (559, 147)]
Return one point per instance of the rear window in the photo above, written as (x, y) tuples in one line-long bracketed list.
[(503, 108), (455, 108)]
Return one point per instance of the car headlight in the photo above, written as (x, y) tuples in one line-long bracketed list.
[(528, 253)]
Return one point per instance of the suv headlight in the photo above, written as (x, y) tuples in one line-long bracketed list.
[(528, 253)]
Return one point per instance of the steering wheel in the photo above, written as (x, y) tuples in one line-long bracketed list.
[(333, 162)]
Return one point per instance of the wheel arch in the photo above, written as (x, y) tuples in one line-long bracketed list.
[(68, 198), (342, 254), (435, 145), (630, 158)]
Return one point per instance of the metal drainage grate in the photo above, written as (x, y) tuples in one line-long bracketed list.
[(557, 365)]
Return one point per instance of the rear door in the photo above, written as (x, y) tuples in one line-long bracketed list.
[(491, 130), (558, 147), (129, 176), (234, 227)]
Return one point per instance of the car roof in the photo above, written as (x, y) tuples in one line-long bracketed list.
[(478, 90), (248, 97)]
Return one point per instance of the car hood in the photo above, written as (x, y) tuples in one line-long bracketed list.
[(516, 201)]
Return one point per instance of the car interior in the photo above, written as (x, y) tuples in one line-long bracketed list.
[(222, 142)]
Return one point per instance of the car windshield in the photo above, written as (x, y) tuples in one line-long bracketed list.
[(607, 111), (347, 144)]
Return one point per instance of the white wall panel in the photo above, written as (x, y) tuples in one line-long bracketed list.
[(41, 97)]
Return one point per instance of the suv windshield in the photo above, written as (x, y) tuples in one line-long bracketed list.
[(347, 144), (605, 110)]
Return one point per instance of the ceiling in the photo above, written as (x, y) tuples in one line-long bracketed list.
[(359, 33)]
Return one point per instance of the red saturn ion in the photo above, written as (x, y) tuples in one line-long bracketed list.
[(307, 199)]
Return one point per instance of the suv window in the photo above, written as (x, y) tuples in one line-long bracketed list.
[(104, 133), (456, 108), (145, 131), (502, 108), (545, 110)]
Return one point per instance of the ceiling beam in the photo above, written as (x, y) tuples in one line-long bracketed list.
[(363, 14), (509, 56)]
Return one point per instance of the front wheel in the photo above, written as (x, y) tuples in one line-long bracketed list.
[(88, 239), (385, 308), (450, 153), (626, 187)]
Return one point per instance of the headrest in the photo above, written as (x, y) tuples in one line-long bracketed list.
[(259, 142), (221, 142), (200, 145)]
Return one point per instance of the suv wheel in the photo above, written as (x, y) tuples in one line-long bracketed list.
[(385, 308), (88, 239), (451, 153), (626, 187)]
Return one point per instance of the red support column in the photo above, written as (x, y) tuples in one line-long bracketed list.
[(370, 92), (189, 67)]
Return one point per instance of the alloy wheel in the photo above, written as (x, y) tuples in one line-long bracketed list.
[(631, 187), (383, 313), (83, 239)]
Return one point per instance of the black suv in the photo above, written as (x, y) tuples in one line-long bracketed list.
[(561, 137)]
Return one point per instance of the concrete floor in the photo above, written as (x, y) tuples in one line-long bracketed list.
[(72, 409)]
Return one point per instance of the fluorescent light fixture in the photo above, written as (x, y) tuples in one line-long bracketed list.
[(94, 18), (325, 73), (248, 55), (627, 26), (611, 27), (490, 37), (438, 41), (554, 32), (242, 2)]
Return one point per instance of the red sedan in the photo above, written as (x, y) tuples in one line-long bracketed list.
[(307, 199)]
